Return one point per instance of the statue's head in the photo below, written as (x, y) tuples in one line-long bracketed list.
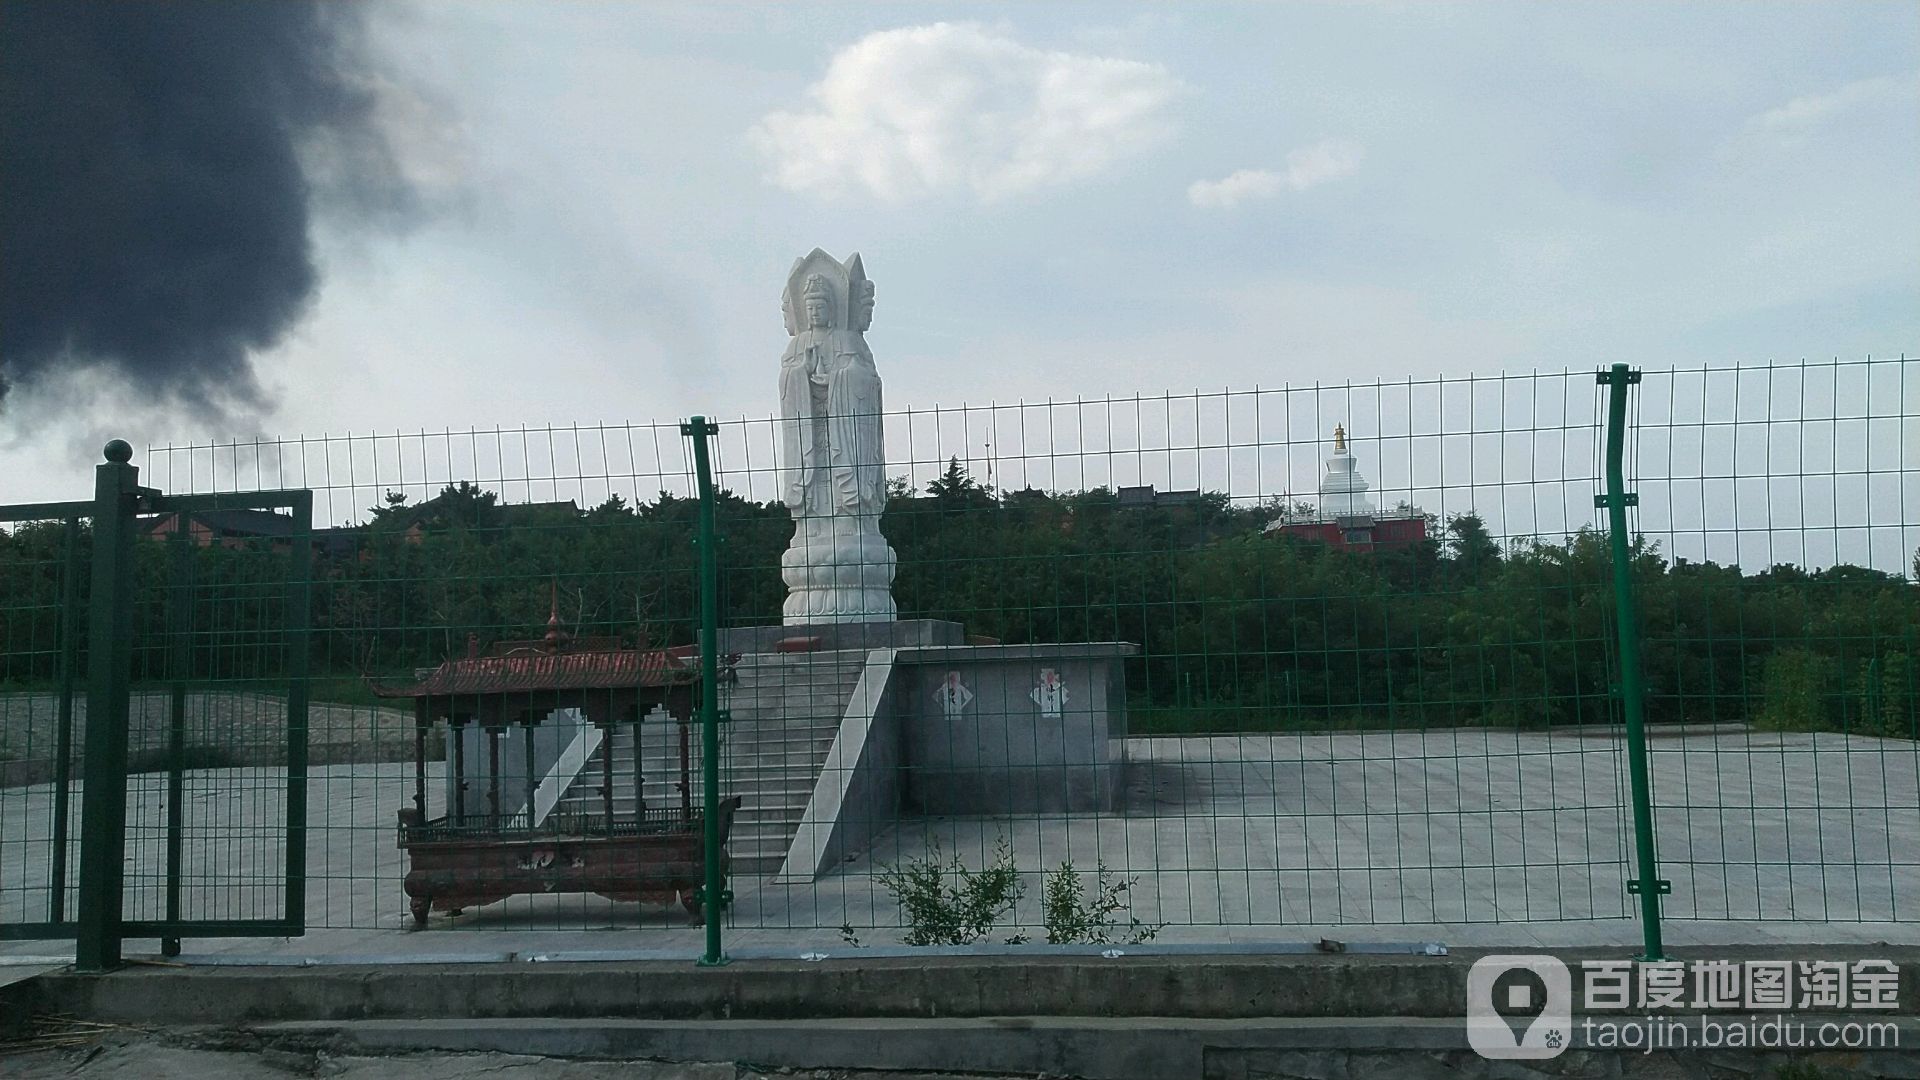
[(863, 307), (817, 297)]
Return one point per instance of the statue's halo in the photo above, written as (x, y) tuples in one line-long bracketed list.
[(838, 278)]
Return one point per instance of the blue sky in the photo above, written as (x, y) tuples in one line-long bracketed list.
[(1060, 200)]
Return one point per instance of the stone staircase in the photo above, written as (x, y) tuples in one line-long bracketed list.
[(786, 709)]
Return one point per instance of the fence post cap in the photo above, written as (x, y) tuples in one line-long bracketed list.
[(119, 451)]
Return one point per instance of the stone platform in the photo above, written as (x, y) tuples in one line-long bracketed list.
[(829, 637), (903, 718)]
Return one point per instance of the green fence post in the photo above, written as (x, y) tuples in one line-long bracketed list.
[(103, 799), (713, 899), (63, 737), (298, 661), (179, 658), (1648, 885)]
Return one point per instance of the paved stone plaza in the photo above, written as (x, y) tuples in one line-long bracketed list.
[(1467, 837)]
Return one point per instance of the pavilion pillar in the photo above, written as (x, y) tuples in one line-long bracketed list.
[(420, 721), (639, 796), (686, 766), (606, 770), (458, 726), (533, 781), (493, 775)]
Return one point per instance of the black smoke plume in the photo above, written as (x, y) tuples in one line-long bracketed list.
[(158, 179)]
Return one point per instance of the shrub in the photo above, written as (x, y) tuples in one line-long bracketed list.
[(1074, 918), (947, 904), (1797, 692), (944, 903), (1890, 697)]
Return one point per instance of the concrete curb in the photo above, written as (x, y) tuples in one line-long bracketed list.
[(1189, 987), (1094, 1048), (1097, 1048)]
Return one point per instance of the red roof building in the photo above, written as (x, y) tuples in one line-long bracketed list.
[(1345, 517), (1358, 533)]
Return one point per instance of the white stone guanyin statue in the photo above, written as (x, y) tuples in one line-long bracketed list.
[(832, 448)]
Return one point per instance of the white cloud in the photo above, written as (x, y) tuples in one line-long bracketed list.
[(1236, 187), (1811, 111), (1307, 167), (953, 107)]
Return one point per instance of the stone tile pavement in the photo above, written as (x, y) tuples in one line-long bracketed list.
[(1469, 837)]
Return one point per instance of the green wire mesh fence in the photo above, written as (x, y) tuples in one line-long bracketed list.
[(1780, 522), (500, 621), (44, 590), (1293, 657), (1307, 656)]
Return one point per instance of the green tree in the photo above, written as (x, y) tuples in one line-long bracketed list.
[(955, 489), (1471, 549)]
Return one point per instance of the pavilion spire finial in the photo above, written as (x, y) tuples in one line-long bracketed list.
[(557, 635), (1339, 439)]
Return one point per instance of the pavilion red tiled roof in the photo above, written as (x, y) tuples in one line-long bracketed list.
[(519, 667)]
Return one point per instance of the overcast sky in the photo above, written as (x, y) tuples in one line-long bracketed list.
[(1059, 200)]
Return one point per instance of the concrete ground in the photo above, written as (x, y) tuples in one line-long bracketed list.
[(1469, 837)]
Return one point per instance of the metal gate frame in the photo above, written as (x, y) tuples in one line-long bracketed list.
[(100, 926)]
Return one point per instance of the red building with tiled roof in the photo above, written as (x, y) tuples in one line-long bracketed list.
[(1346, 518)]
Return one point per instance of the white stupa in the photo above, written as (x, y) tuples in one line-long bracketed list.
[(1343, 491), (1346, 517)]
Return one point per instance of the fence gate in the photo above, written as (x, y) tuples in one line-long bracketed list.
[(43, 587), (153, 704)]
